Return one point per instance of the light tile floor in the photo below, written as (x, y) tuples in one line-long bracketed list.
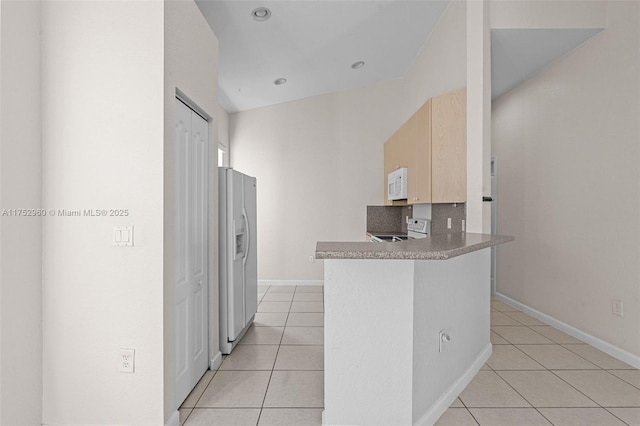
[(275, 375), (537, 375)]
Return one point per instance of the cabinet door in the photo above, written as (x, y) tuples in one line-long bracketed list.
[(419, 147), (390, 161), (449, 148), (395, 156)]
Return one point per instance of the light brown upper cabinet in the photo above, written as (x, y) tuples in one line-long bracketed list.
[(432, 145), (410, 147)]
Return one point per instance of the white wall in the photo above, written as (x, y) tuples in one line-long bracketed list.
[(319, 160), (547, 14), (191, 66), (103, 118), (20, 237), (568, 148), (223, 130), (478, 117), (110, 75)]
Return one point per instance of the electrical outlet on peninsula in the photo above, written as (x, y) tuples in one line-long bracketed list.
[(127, 360), (617, 308)]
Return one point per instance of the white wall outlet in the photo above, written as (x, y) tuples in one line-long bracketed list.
[(448, 223), (617, 308), (312, 259), (463, 225), (127, 360), (443, 337)]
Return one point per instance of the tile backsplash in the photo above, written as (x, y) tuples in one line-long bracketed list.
[(441, 212), (392, 219), (388, 219)]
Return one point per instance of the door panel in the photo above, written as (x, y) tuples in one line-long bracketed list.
[(251, 262), (235, 283), (182, 289), (191, 280), (182, 367), (199, 232)]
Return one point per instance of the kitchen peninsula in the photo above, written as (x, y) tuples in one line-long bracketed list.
[(406, 326)]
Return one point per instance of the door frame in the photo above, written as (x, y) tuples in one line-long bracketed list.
[(214, 356), (494, 222)]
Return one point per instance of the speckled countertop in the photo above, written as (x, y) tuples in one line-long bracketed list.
[(440, 247)]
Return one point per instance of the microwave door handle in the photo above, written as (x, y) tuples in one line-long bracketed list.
[(248, 236)]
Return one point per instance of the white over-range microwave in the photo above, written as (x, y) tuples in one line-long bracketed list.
[(397, 184)]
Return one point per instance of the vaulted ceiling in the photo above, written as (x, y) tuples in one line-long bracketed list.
[(315, 44)]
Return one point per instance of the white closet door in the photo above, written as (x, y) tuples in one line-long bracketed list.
[(191, 284)]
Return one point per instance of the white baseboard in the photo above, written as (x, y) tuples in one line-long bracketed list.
[(444, 402), (290, 282), (174, 420), (614, 351), (216, 361)]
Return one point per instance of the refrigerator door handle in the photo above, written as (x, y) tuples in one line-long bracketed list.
[(248, 236)]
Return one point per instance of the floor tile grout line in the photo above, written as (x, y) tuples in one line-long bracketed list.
[(274, 361), (552, 344), (529, 326), (295, 369), (472, 416), (512, 408), (509, 316), (601, 368), (264, 397), (624, 380), (524, 325), (561, 345), (529, 370), (585, 395), (599, 405), (195, 404), (187, 418), (543, 416), (266, 391), (294, 408), (240, 407), (531, 358), (613, 414), (577, 354), (515, 390), (597, 367)]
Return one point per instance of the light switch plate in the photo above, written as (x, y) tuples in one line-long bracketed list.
[(123, 236)]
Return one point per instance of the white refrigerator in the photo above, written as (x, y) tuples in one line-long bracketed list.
[(238, 257)]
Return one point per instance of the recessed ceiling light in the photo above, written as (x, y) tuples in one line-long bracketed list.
[(280, 81), (261, 14), (357, 65)]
